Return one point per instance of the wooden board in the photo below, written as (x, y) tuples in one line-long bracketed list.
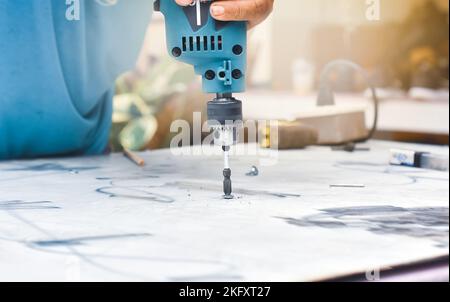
[(105, 219)]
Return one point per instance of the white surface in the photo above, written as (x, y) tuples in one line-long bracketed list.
[(395, 114), (105, 219)]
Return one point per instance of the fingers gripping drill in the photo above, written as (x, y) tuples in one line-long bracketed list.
[(217, 50)]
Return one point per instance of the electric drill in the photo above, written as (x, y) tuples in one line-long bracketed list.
[(217, 50)]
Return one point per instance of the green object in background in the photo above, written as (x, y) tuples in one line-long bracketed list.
[(139, 98), (128, 106), (136, 135), (138, 125)]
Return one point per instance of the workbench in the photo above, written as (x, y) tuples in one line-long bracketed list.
[(308, 215), (400, 118)]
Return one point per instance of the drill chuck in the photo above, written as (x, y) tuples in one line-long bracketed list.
[(225, 118), (218, 52), (224, 110)]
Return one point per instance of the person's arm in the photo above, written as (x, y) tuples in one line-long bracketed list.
[(253, 11)]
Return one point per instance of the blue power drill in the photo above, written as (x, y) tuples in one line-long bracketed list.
[(218, 52)]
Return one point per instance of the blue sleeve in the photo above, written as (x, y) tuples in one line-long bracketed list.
[(57, 74)]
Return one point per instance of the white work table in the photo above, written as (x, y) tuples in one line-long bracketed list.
[(105, 219)]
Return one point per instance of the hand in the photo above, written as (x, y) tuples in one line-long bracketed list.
[(253, 11)]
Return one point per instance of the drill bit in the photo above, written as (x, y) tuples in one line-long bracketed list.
[(227, 188)]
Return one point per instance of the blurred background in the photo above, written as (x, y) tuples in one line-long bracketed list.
[(403, 44)]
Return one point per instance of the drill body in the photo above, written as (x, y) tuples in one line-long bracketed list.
[(218, 52), (216, 49)]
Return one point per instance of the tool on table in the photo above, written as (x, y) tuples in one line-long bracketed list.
[(418, 159), (360, 186), (217, 50), (288, 135), (133, 157), (342, 126), (350, 147), (253, 172)]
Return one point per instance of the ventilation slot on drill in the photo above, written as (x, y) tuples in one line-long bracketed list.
[(199, 45), (191, 43), (219, 43), (202, 43), (205, 42), (184, 41), (213, 43)]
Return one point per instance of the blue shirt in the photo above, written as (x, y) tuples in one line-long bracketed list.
[(57, 76)]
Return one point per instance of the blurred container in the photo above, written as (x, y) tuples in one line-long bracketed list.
[(303, 77)]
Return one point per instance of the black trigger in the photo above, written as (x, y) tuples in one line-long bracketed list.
[(191, 14)]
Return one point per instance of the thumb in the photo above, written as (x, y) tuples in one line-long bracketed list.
[(238, 10)]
